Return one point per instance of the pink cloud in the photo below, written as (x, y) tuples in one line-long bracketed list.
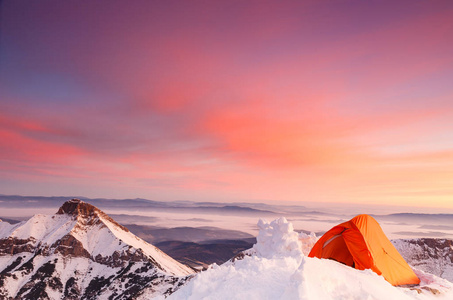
[(239, 99)]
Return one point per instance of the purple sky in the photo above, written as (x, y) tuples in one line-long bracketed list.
[(344, 101)]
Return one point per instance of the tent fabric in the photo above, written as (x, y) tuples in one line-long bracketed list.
[(361, 243)]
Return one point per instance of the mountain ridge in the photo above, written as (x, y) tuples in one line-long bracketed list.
[(81, 253)]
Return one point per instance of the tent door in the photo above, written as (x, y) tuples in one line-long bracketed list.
[(335, 248)]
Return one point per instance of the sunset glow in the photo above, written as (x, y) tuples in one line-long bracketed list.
[(336, 101)]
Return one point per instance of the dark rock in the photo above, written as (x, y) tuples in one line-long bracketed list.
[(70, 246), (12, 245), (71, 289), (12, 266), (88, 212)]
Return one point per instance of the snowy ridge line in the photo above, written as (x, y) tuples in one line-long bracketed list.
[(94, 230), (81, 253), (164, 260)]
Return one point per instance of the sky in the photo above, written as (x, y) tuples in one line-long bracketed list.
[(333, 101)]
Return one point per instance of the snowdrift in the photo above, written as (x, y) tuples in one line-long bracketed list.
[(277, 267)]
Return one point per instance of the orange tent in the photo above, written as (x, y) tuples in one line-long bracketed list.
[(361, 244)]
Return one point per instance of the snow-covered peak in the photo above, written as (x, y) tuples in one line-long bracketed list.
[(82, 253), (76, 207), (81, 229), (83, 210), (5, 228)]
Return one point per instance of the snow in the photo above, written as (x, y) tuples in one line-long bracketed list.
[(432, 259), (168, 263), (65, 268), (278, 268), (277, 238), (46, 228), (14, 284), (103, 238), (5, 229)]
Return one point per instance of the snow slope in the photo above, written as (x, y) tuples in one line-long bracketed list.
[(430, 255), (277, 268)]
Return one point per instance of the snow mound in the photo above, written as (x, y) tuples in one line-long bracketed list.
[(277, 239), (308, 241), (278, 268)]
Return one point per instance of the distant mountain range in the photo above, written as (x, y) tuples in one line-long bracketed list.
[(15, 201), (201, 255), (196, 247)]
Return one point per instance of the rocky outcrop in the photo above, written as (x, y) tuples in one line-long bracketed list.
[(12, 245), (434, 256), (70, 246), (87, 213)]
